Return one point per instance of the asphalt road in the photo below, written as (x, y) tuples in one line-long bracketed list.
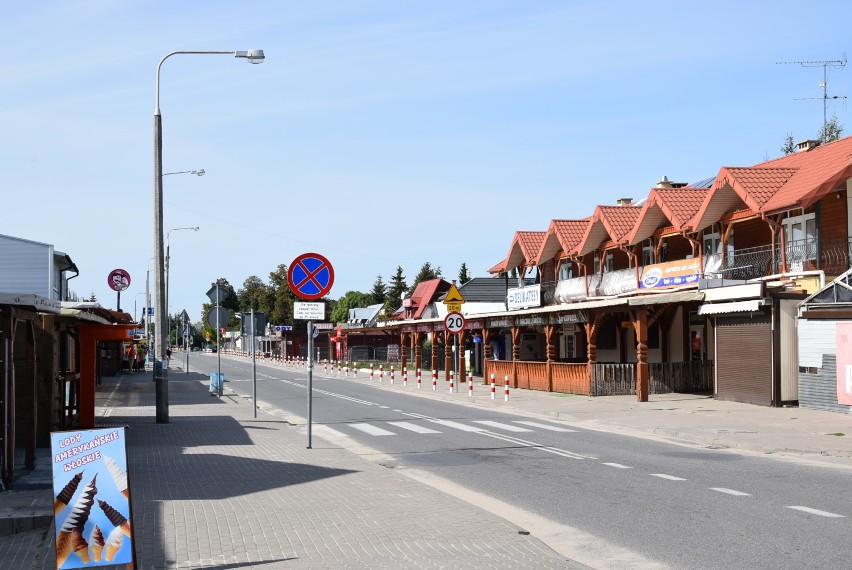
[(596, 497)]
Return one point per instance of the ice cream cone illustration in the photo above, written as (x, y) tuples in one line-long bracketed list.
[(118, 475), (64, 497), (79, 545), (113, 543), (115, 517), (96, 543), (66, 541)]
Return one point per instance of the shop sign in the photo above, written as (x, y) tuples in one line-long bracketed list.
[(427, 327), (524, 297), (499, 323), (670, 274), (407, 328), (843, 338), (578, 317), (473, 324), (530, 321)]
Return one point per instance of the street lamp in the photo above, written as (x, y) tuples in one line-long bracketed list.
[(168, 234), (199, 172), (160, 366)]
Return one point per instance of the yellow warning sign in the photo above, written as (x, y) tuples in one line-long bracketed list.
[(453, 296)]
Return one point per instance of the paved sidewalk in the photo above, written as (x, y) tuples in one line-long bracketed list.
[(217, 488)]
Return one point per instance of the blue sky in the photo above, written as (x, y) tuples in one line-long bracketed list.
[(381, 133)]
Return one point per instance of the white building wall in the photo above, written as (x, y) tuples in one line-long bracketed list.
[(26, 267)]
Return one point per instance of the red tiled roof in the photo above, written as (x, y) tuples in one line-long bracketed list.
[(427, 292), (561, 235), (675, 205), (499, 268), (524, 249), (756, 185), (608, 223)]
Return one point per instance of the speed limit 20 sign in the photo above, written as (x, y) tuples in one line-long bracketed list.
[(454, 322)]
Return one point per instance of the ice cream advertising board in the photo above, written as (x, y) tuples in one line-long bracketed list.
[(91, 503)]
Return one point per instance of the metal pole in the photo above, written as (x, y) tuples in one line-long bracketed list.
[(161, 377), (218, 350), (310, 377), (456, 360), (253, 364)]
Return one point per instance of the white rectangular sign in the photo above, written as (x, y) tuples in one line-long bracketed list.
[(309, 311), (524, 297)]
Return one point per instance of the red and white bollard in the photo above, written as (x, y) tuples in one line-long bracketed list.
[(391, 374), (346, 369), (381, 372), (325, 366), (452, 378), (470, 383), (434, 380), (506, 388), (493, 387), (404, 377), (371, 372), (355, 370), (418, 377)]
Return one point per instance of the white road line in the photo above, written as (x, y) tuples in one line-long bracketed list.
[(618, 465), (669, 477), (816, 512), (730, 492), (456, 425), (328, 431), (413, 427), (371, 429), (544, 426), (498, 425)]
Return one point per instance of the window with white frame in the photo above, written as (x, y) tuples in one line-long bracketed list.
[(800, 231), (648, 252), (566, 270)]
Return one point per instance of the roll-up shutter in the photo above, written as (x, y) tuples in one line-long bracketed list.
[(744, 360)]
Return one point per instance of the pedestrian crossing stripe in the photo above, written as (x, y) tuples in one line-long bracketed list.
[(506, 427), (371, 429), (545, 426), (413, 427)]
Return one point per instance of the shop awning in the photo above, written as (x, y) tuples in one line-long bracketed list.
[(749, 306)]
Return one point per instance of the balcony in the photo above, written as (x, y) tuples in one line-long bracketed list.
[(802, 255), (569, 290), (613, 283)]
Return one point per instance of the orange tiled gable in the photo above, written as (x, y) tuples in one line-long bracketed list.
[(425, 293), (499, 268), (756, 185), (561, 235), (675, 205), (608, 223), (524, 249)]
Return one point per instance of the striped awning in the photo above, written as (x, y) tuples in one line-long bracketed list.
[(749, 306)]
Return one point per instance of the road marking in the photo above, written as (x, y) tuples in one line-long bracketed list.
[(816, 512), (544, 426), (498, 425), (456, 425), (618, 465), (669, 477), (413, 427), (730, 492), (371, 429), (329, 431)]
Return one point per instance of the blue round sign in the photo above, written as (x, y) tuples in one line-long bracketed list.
[(310, 276)]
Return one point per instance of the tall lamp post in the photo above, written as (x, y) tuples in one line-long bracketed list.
[(168, 234), (160, 366)]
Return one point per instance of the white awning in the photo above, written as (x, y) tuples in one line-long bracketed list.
[(750, 306)]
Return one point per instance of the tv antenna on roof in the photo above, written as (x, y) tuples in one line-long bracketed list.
[(837, 63)]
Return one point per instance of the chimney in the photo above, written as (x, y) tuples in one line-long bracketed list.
[(624, 201), (806, 145), (664, 183)]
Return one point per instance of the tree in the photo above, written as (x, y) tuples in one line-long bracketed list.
[(427, 272), (92, 298), (351, 300), (255, 294), (464, 276), (379, 291), (789, 146), (282, 298), (398, 288), (830, 131), (229, 301)]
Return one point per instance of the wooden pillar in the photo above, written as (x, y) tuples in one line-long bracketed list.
[(550, 353), (403, 357), (516, 354), (462, 367), (448, 355), (592, 349), (417, 348), (434, 362), (486, 353), (640, 324)]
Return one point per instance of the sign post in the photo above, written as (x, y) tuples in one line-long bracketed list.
[(217, 295), (454, 324), (310, 277)]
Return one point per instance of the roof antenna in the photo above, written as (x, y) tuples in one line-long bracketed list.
[(839, 64)]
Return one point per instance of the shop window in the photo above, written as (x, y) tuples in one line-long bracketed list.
[(607, 334), (654, 336)]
